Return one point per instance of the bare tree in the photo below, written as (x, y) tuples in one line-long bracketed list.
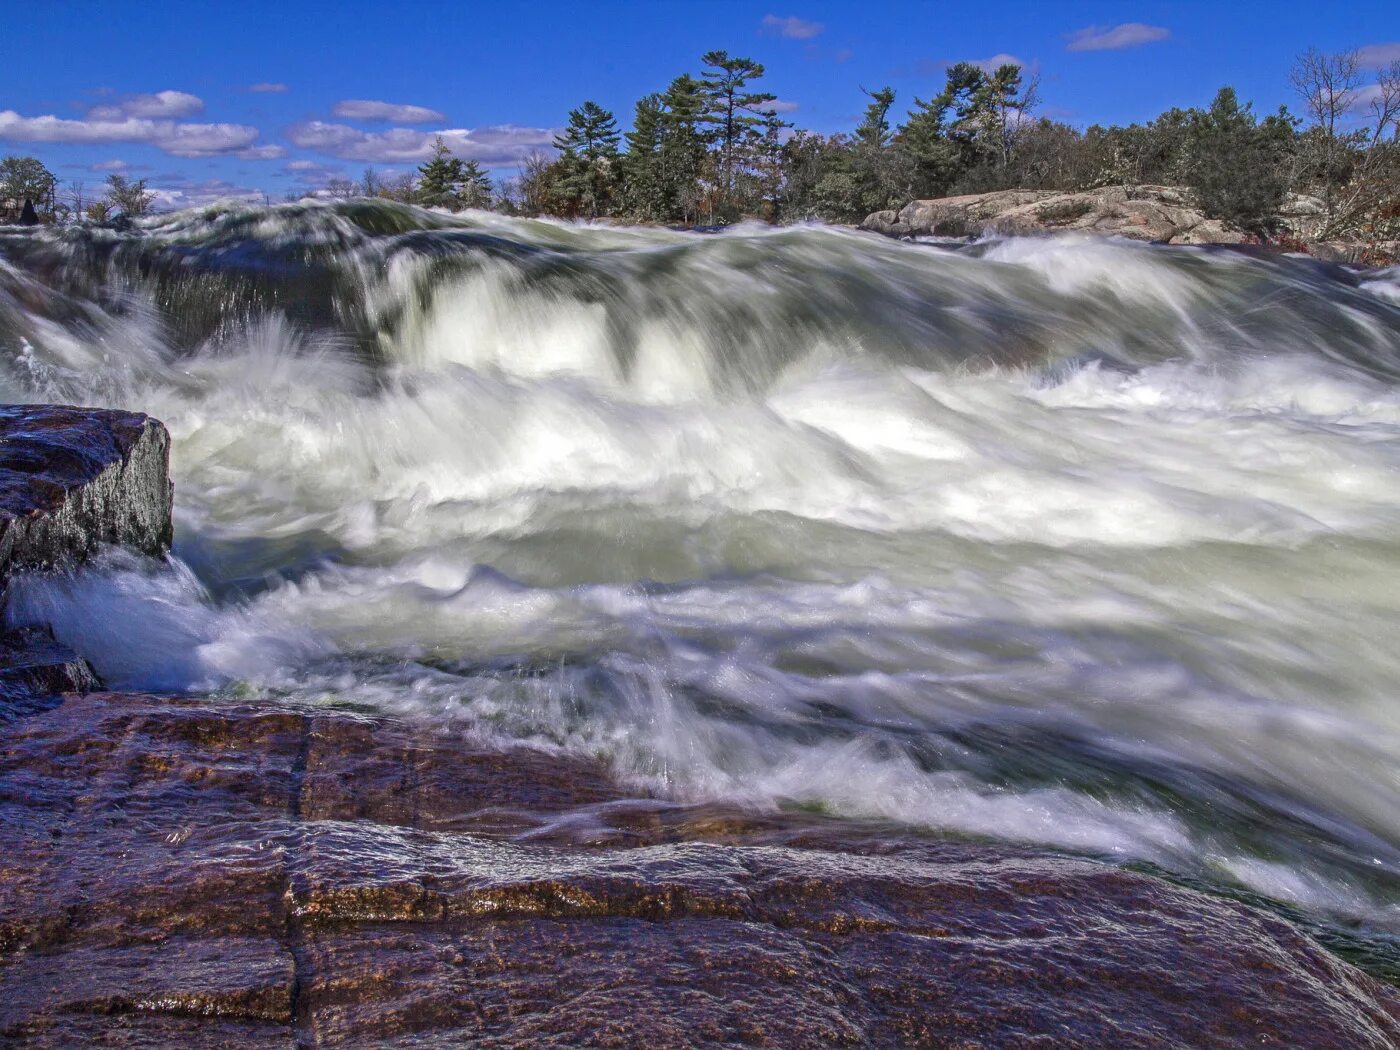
[(533, 181), (340, 188), (1327, 85), (130, 197), (77, 196), (1356, 164)]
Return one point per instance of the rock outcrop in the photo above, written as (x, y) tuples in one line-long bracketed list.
[(72, 479), (1146, 213), (184, 872)]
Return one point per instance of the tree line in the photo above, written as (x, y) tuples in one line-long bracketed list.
[(713, 148)]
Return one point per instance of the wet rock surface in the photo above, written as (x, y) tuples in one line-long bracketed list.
[(35, 670), (72, 479), (1145, 213), (179, 872)]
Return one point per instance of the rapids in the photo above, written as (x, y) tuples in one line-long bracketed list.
[(1083, 543)]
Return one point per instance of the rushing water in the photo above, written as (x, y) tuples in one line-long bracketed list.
[(1074, 542)]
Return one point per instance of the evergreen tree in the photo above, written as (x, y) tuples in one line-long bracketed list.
[(440, 180), (768, 165), (643, 178), (475, 191), (733, 114), (931, 153), (867, 174), (1238, 166), (682, 148), (588, 159)]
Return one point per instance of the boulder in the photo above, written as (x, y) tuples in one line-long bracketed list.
[(72, 479)]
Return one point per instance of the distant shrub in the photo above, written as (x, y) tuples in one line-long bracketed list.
[(1238, 167)]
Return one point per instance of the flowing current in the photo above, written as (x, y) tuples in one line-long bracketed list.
[(1081, 543)]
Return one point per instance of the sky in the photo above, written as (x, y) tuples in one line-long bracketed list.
[(215, 99)]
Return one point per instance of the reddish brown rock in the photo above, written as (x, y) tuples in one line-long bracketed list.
[(174, 872)]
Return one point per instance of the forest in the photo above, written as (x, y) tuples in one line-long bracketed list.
[(713, 148)]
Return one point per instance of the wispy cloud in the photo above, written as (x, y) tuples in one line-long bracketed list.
[(266, 87), (192, 194), (389, 112), (181, 140), (1115, 38), (991, 65), (780, 105), (491, 146), (161, 104), (1377, 55), (792, 27)]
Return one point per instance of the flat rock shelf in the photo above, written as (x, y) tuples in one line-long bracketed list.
[(184, 872)]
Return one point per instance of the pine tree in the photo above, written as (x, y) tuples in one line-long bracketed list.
[(733, 114), (925, 141), (1239, 168), (588, 158), (475, 189), (644, 191), (440, 179), (682, 148)]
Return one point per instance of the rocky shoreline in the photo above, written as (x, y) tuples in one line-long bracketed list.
[(199, 872), (1159, 214)]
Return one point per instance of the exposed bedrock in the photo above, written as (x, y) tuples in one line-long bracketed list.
[(71, 480), (184, 872), (1144, 213)]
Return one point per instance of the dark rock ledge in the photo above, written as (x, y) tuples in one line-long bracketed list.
[(72, 479), (194, 873)]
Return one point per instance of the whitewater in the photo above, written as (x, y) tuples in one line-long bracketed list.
[(1074, 542)]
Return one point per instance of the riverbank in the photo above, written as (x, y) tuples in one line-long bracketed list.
[(1159, 214)]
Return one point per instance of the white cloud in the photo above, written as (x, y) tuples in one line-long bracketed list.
[(182, 140), (389, 112), (266, 87), (780, 105), (109, 165), (493, 147), (262, 152), (991, 65), (161, 104), (792, 27), (1115, 38), (301, 165), (1377, 55), (191, 194)]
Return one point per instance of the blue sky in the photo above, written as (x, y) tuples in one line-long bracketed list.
[(210, 99)]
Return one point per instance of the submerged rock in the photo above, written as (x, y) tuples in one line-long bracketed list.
[(1143, 213), (72, 479), (178, 871)]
